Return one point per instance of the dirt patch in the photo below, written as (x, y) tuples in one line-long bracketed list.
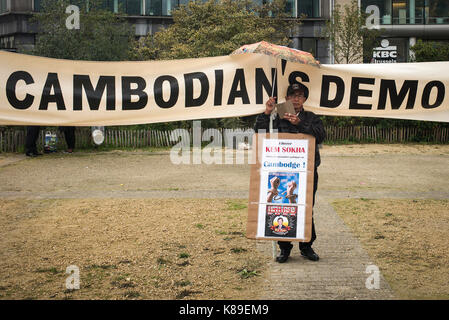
[(9, 158), (382, 169), (128, 249), (142, 173), (372, 149), (408, 241), (89, 175), (140, 227)]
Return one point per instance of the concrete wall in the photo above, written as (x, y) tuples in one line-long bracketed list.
[(21, 5), (342, 3)]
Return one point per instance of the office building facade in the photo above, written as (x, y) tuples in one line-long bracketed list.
[(149, 16), (401, 22)]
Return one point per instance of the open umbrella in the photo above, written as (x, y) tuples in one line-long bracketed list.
[(280, 52)]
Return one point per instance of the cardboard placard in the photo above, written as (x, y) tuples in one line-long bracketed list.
[(281, 187)]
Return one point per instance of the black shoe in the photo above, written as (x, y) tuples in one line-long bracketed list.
[(285, 253), (283, 257), (33, 154), (309, 254)]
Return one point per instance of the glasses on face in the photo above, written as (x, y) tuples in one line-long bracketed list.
[(297, 96)]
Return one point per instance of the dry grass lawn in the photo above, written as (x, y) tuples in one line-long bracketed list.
[(140, 227), (128, 249), (408, 239)]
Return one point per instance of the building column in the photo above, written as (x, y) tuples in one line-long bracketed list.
[(412, 11), (411, 43), (296, 43)]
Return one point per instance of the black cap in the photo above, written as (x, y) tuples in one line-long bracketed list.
[(297, 87)]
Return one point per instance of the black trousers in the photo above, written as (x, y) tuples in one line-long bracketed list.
[(69, 135), (303, 245), (32, 133)]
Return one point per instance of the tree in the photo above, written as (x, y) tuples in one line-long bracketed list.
[(216, 27), (430, 51), (351, 41), (102, 35)]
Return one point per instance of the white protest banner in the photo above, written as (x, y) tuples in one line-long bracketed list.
[(44, 91), (281, 187)]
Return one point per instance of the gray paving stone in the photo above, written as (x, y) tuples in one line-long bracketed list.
[(339, 274)]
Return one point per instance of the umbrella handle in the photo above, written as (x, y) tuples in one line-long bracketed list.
[(273, 243), (274, 79)]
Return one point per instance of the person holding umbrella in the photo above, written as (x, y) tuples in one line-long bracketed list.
[(301, 122)]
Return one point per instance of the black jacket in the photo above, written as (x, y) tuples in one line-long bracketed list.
[(310, 124)]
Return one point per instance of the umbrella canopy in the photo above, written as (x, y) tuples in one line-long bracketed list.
[(280, 52)]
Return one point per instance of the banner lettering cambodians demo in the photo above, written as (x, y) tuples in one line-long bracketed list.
[(44, 91)]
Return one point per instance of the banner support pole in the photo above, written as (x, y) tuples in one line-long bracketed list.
[(273, 243)]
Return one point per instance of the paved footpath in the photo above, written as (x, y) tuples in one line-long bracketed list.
[(339, 274)]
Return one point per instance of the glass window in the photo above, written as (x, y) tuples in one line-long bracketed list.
[(161, 7), (408, 11), (37, 5), (309, 45), (438, 11), (416, 11), (7, 43), (2, 6), (86, 5), (311, 8), (133, 7), (170, 5), (109, 5), (399, 11), (290, 7), (115, 6), (153, 7)]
